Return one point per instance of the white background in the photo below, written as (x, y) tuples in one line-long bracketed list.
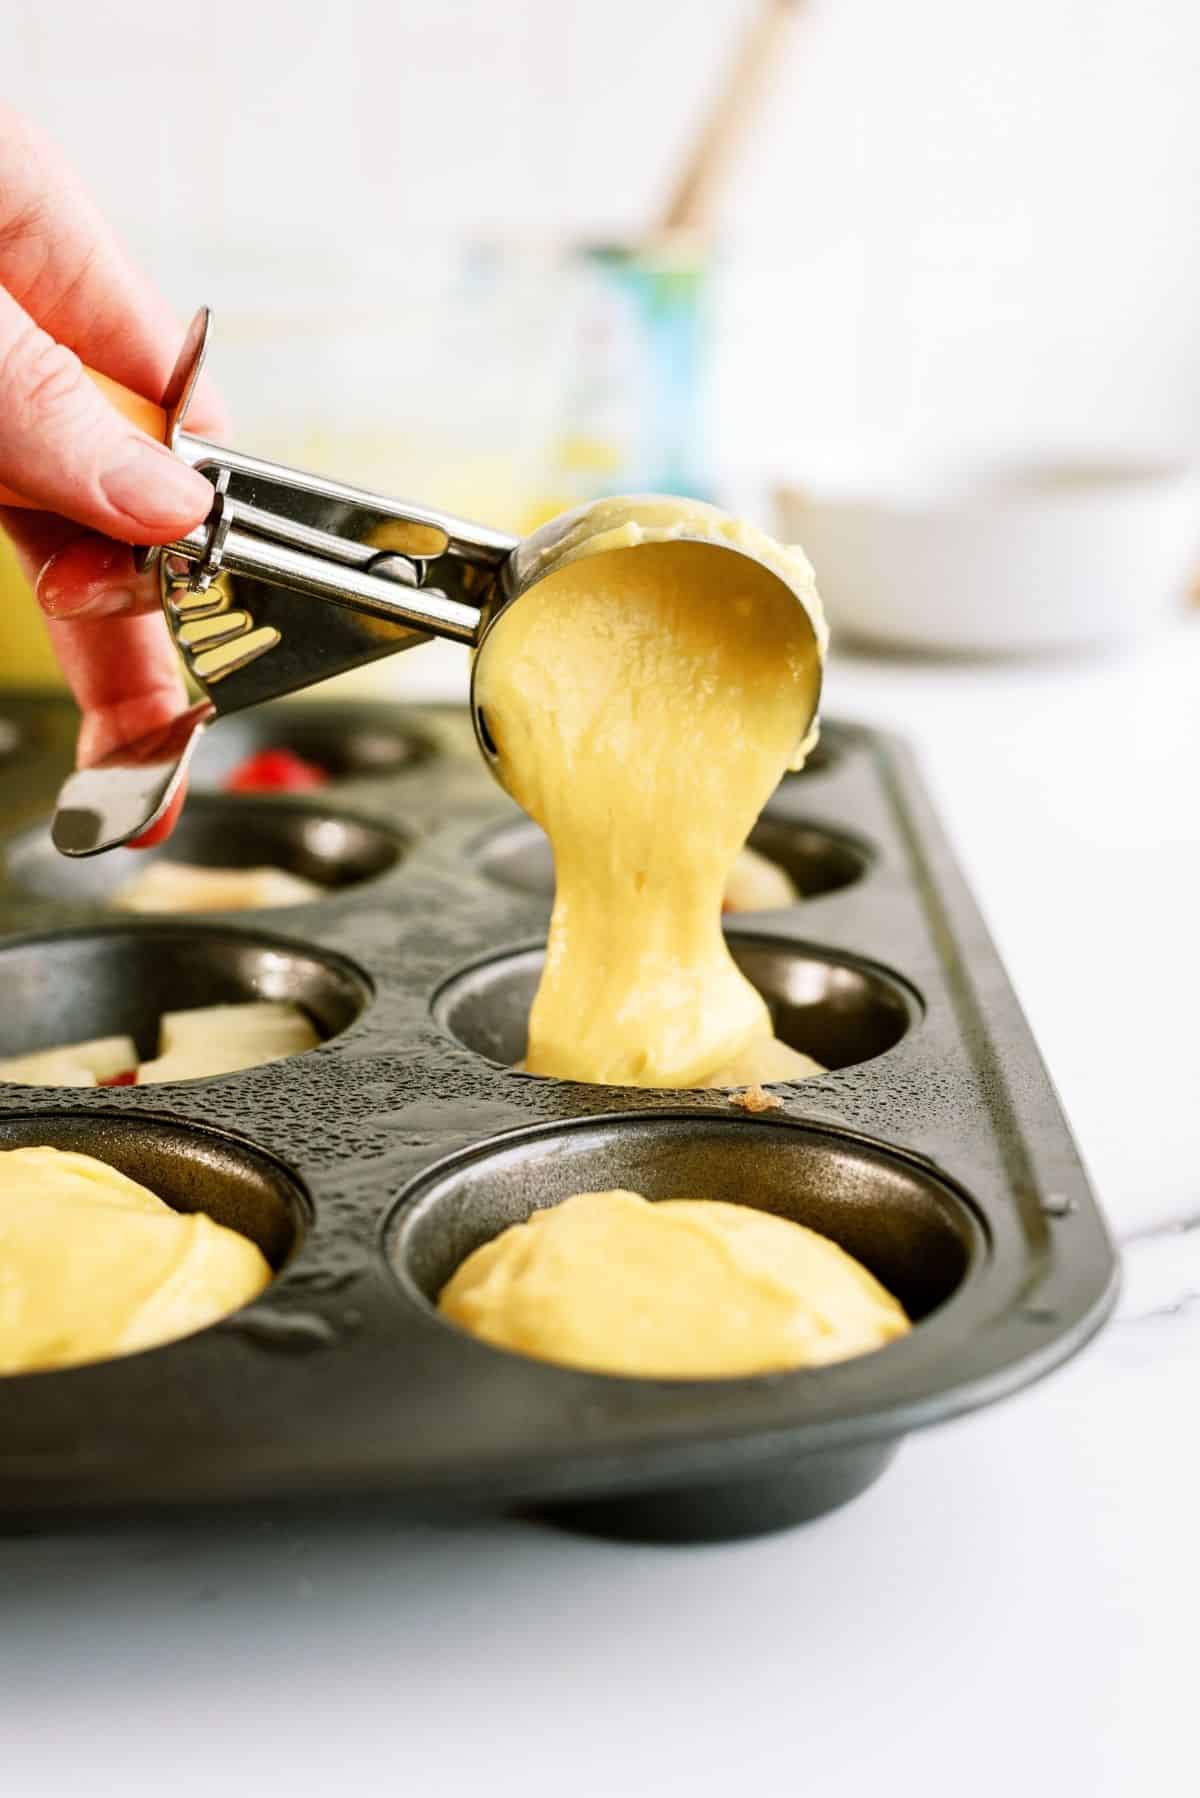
[(957, 221)]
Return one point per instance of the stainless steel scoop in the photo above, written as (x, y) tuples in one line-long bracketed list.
[(293, 578)]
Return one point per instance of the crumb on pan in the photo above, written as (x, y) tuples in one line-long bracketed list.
[(756, 1098)]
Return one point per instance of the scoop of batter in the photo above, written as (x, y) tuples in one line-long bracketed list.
[(691, 1288), (644, 699), (93, 1265)]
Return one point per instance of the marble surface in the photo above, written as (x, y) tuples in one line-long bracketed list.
[(1012, 1608)]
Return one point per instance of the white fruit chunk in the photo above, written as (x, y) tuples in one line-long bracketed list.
[(220, 1039), (166, 886), (73, 1064), (756, 884)]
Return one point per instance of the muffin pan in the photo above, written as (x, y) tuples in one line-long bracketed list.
[(934, 1150)]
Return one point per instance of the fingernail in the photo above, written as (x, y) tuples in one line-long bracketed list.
[(75, 577), (106, 604), (157, 490)]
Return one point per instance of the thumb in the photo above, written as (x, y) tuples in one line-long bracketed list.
[(63, 445)]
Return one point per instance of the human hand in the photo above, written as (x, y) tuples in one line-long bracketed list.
[(69, 295)]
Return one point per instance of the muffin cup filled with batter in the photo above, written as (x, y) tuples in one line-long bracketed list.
[(119, 1235), (793, 1247)]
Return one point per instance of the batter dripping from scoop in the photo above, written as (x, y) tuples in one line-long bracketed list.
[(644, 700)]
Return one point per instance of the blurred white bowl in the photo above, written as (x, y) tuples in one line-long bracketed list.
[(1004, 561)]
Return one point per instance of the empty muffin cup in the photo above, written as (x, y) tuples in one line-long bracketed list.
[(836, 1008), (817, 860), (76, 986), (330, 849)]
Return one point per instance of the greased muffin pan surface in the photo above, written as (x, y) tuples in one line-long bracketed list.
[(934, 1149)]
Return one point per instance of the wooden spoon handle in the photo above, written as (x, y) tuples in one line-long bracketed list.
[(693, 202)]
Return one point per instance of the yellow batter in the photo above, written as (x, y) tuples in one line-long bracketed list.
[(644, 698), (93, 1265), (685, 1288)]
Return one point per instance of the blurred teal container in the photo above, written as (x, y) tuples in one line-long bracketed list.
[(635, 400), (644, 367), (597, 357)]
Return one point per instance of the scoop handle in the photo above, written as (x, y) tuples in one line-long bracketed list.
[(140, 412)]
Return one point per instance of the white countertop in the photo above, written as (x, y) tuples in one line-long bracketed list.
[(1011, 1609)]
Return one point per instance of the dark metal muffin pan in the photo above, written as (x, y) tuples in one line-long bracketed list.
[(934, 1150)]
